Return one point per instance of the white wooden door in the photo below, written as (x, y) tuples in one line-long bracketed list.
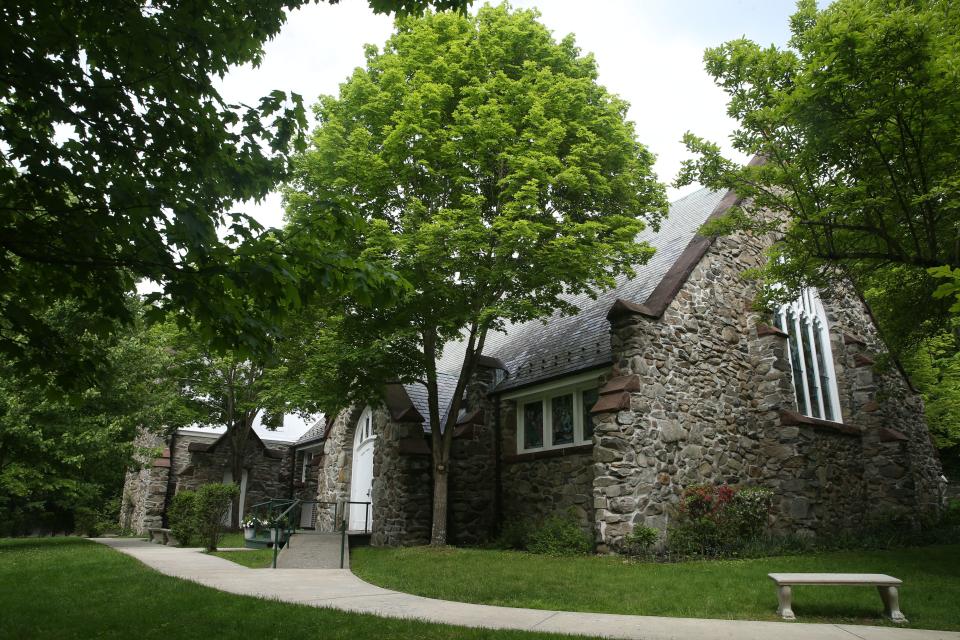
[(361, 482), (228, 479)]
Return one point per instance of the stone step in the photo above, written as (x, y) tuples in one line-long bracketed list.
[(311, 550)]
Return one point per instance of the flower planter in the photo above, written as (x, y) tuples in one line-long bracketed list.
[(249, 533)]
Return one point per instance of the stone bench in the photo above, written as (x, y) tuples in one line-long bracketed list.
[(162, 536), (886, 585)]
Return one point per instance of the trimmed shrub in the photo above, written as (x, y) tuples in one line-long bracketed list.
[(560, 536), (745, 515), (212, 503), (640, 541), (514, 534), (181, 516)]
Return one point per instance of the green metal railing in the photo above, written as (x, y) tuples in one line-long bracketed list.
[(284, 516)]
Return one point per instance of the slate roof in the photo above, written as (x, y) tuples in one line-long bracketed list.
[(537, 351), (446, 385), (563, 345), (317, 431)]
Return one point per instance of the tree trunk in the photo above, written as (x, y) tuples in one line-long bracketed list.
[(441, 475), (236, 469), (443, 442)]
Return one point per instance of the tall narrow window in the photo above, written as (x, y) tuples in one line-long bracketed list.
[(588, 399), (561, 411), (533, 425), (811, 361)]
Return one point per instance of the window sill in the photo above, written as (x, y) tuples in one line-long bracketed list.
[(559, 452), (792, 418)]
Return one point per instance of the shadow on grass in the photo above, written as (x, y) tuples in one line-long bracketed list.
[(30, 544)]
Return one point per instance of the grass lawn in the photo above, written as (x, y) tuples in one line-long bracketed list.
[(68, 588), (254, 558), (736, 589), (231, 540)]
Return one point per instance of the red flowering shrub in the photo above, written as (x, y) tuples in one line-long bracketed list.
[(705, 500), (717, 519)]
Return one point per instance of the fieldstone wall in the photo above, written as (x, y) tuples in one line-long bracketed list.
[(402, 484), (702, 393), (268, 468), (144, 490), (690, 416), (402, 490), (472, 482), (902, 472), (333, 480), (708, 398), (540, 485)]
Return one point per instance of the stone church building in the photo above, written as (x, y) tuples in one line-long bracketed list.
[(190, 458), (668, 380)]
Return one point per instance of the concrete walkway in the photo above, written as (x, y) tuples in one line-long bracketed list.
[(340, 589)]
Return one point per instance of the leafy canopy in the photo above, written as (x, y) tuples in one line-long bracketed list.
[(120, 161), (63, 453), (483, 163), (857, 121), (480, 161)]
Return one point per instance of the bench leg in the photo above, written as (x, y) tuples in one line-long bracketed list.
[(891, 603), (784, 594)]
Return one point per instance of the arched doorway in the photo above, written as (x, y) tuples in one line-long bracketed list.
[(361, 478)]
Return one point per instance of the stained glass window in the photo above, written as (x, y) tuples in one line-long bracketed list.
[(556, 417), (533, 425), (562, 419), (589, 398)]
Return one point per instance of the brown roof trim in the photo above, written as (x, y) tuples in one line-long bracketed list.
[(792, 418), (891, 435), (399, 404), (622, 383), (767, 330), (623, 308), (611, 402), (851, 339), (549, 453), (671, 283), (862, 360)]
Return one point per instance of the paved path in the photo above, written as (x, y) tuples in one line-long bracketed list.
[(340, 589)]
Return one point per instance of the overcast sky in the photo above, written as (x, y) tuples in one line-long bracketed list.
[(649, 52)]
